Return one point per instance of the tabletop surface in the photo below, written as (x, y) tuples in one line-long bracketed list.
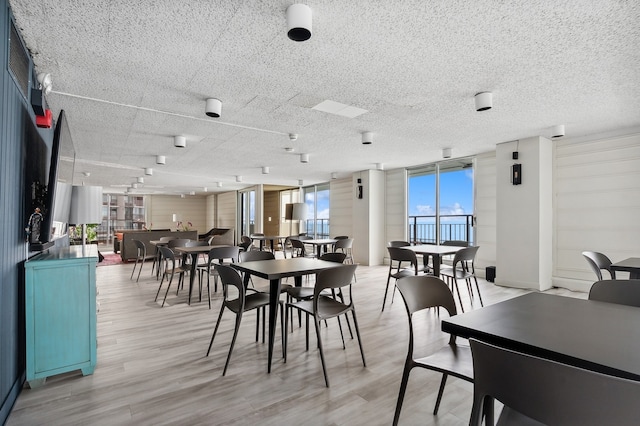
[(279, 268), (433, 249), (320, 241), (199, 249), (267, 237), (632, 262), (598, 336)]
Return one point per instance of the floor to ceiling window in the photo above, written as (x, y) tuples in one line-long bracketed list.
[(441, 206), (316, 198), (247, 210)]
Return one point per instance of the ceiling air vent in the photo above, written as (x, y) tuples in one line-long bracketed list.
[(18, 61)]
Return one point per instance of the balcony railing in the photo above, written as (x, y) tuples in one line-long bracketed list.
[(321, 228), (452, 227)]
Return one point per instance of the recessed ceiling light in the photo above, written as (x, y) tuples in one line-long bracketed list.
[(333, 107)]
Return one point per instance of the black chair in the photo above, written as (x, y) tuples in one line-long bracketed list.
[(242, 303), (169, 269), (323, 307), (141, 256), (398, 243), (419, 293), (398, 256), (217, 255), (540, 391), (598, 262), (298, 249), (463, 270), (245, 243), (622, 292), (256, 255)]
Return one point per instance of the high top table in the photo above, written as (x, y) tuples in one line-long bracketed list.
[(597, 336), (274, 270)]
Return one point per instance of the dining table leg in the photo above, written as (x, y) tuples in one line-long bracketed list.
[(192, 273), (274, 301), (436, 264)]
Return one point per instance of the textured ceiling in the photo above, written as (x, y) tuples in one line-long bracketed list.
[(131, 75)]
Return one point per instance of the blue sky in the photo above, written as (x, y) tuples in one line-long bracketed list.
[(456, 193)]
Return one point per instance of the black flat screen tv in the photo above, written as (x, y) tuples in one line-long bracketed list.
[(40, 177)]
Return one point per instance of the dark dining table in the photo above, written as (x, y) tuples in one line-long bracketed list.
[(274, 270), (435, 251), (630, 265), (598, 336), (194, 252)]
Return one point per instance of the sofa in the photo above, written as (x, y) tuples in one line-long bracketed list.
[(128, 249), (222, 236)]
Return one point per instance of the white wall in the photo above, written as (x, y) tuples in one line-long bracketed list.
[(341, 199), (524, 212), (210, 204), (226, 213), (597, 205), (368, 218), (485, 211)]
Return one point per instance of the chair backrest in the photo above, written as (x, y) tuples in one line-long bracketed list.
[(422, 292), (465, 257), (142, 249), (178, 242), (192, 243), (245, 242), (169, 258), (457, 243), (622, 292), (231, 278), (599, 261), (343, 244), (224, 253), (165, 239), (298, 245), (401, 255), (398, 244), (341, 237), (550, 392), (334, 257), (250, 256), (340, 276)]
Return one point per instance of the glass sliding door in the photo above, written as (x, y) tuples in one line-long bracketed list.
[(247, 210), (317, 200), (441, 206)]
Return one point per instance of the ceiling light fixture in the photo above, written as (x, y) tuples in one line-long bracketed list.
[(205, 189), (219, 184), (213, 108), (446, 153), (379, 166), (148, 171), (192, 192), (557, 131), (134, 185), (288, 149), (179, 141), (161, 159), (334, 175), (304, 158), (367, 138), (140, 179), (86, 174), (300, 182), (293, 137), (484, 101), (238, 178), (299, 22), (265, 170)]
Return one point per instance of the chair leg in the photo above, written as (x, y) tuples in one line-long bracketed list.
[(134, 268), (233, 341), (215, 330), (341, 335), (258, 324), (478, 288), (401, 392), (159, 287), (385, 292), (168, 287), (285, 332), (140, 270), (355, 325), (455, 282), (443, 382), (316, 321)]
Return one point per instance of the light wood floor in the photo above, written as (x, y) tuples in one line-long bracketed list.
[(152, 367)]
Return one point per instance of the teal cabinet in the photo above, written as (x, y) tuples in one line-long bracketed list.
[(60, 297)]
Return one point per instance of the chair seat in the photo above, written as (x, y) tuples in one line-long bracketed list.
[(251, 301), (403, 273), (284, 288), (327, 307), (455, 360), (300, 293), (459, 274)]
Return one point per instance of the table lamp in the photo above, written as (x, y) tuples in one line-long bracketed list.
[(86, 208)]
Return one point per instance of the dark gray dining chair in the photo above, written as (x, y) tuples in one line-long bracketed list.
[(622, 292), (169, 269), (420, 293), (397, 258), (598, 262), (540, 391), (141, 256), (462, 269)]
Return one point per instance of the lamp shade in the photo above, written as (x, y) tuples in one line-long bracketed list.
[(86, 205), (298, 211)]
